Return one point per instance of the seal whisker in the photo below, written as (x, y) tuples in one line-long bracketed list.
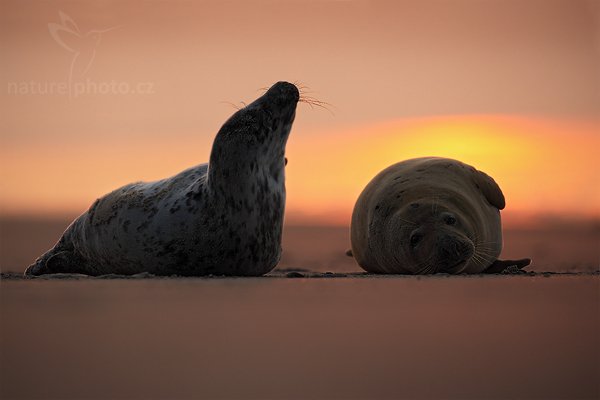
[(432, 269), (314, 102), (490, 242), (302, 88), (407, 221), (484, 250), (237, 107), (300, 85), (480, 250), (484, 256), (483, 261), (478, 240), (480, 260), (424, 266), (477, 258), (424, 270), (424, 262), (479, 255), (484, 245)]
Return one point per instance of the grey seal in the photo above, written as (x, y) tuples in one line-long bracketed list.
[(220, 218), (430, 215)]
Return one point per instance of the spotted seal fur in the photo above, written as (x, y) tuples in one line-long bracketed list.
[(221, 218)]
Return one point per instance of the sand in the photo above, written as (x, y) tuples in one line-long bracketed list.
[(317, 327), (322, 337)]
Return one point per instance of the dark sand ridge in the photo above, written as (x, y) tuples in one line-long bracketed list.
[(295, 273)]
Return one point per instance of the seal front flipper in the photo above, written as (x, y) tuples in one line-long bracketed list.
[(490, 189), (500, 266)]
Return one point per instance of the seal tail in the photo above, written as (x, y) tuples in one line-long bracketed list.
[(35, 269), (63, 257), (39, 266), (55, 261)]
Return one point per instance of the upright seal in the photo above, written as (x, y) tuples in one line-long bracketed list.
[(221, 218), (430, 215)]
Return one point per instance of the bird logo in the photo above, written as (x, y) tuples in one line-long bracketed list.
[(83, 46)]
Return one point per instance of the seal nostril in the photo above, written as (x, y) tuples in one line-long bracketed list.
[(286, 89), (458, 249)]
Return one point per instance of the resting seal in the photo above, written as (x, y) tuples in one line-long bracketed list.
[(221, 218), (429, 215)]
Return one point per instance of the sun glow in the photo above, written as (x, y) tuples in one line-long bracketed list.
[(543, 166)]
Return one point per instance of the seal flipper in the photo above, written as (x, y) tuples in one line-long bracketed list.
[(490, 189), (500, 266)]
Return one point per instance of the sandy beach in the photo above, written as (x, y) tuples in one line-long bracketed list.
[(316, 327), (493, 337)]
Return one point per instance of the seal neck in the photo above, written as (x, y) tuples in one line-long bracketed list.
[(239, 171)]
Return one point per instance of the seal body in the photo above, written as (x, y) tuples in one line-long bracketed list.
[(221, 218), (428, 215)]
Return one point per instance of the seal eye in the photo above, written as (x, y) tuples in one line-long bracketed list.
[(415, 238), (449, 220)]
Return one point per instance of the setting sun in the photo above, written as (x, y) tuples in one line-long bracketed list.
[(543, 166)]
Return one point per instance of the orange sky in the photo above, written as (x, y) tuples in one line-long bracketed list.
[(512, 87)]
